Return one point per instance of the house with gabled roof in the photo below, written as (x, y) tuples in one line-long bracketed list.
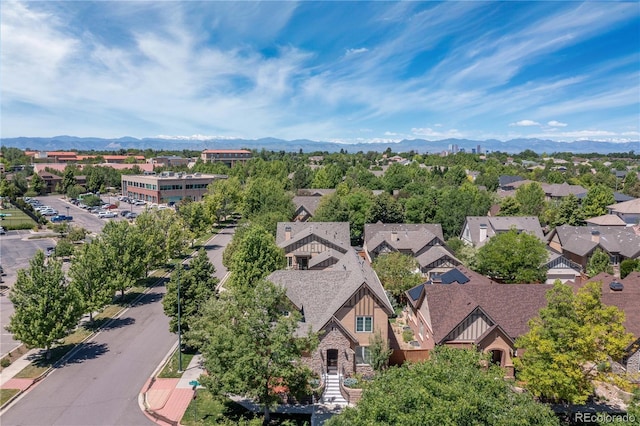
[(423, 241), (477, 230), (346, 304), (474, 312), (629, 211), (624, 294), (313, 245), (578, 243), (306, 206)]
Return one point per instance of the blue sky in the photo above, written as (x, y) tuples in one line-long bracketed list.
[(325, 70)]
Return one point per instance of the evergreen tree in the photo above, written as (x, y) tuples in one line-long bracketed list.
[(599, 262), (46, 308)]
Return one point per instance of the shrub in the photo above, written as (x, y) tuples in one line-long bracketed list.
[(350, 382), (407, 335), (5, 362)]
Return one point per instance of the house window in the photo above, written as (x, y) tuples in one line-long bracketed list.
[(364, 324), (421, 332), (363, 355), (290, 262)]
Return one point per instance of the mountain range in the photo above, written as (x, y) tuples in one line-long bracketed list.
[(422, 146)]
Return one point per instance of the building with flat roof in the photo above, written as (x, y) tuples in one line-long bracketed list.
[(226, 156), (167, 187)]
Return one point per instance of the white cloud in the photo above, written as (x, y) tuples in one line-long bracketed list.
[(554, 123), (525, 123), (350, 52), (430, 133)]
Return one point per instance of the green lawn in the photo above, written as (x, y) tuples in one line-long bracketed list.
[(17, 220), (170, 370), (6, 395)]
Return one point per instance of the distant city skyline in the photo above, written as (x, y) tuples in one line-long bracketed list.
[(327, 71)]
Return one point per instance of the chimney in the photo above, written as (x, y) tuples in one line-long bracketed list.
[(483, 232), (595, 236), (287, 233)]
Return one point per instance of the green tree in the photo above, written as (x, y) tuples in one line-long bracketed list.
[(599, 262), (197, 285), (151, 228), (379, 352), (596, 201), (513, 257), (264, 195), (530, 197), (223, 197), (631, 184), (397, 272), (46, 308), (571, 336), (255, 256), (38, 185), (509, 206), (68, 181), (87, 273), (629, 265), (249, 345), (452, 388), (386, 209), (124, 249), (568, 212)]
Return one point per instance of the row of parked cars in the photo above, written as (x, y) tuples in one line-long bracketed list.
[(126, 199)]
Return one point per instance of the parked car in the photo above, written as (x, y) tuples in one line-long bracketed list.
[(61, 218), (131, 215), (50, 251), (105, 215), (2, 230), (139, 203), (124, 213), (51, 212)]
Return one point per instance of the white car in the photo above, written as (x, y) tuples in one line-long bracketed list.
[(48, 212), (106, 215)]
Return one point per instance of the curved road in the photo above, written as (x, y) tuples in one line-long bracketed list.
[(100, 384)]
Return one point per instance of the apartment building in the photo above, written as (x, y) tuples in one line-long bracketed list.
[(167, 187)]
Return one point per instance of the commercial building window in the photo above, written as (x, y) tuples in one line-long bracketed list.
[(363, 355), (364, 324)]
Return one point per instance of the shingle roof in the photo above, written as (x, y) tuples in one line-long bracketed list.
[(333, 232), (617, 196), (321, 293), (401, 236), (562, 189), (628, 299), (310, 203), (510, 306), (581, 240), (606, 220), (504, 180), (315, 192), (498, 224), (627, 207)]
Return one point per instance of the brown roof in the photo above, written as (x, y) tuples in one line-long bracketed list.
[(627, 299), (510, 306)]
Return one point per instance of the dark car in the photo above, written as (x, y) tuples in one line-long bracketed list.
[(2, 231), (61, 218)]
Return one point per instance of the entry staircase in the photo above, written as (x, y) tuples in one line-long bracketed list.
[(332, 393)]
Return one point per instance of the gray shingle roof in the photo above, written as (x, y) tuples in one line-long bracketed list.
[(627, 207), (336, 233), (498, 224), (581, 240), (321, 293), (310, 203)]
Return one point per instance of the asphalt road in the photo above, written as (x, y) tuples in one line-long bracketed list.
[(101, 383)]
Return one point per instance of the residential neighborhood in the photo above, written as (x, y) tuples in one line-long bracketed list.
[(473, 269)]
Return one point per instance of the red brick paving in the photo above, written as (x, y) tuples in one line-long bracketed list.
[(20, 384)]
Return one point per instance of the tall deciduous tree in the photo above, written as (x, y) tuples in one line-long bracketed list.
[(87, 272), (397, 272), (596, 201), (452, 388), (255, 256), (567, 341), (530, 197), (38, 184), (513, 257), (124, 249), (197, 285), (249, 345), (599, 262), (46, 307), (224, 197)]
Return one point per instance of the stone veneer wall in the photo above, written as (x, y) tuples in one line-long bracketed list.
[(633, 362), (332, 339)]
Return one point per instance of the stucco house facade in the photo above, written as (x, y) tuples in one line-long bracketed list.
[(313, 245)]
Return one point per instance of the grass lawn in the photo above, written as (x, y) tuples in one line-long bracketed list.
[(7, 394), (170, 370), (210, 410), (17, 220)]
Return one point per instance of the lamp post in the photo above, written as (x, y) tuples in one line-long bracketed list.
[(179, 328), (67, 207)]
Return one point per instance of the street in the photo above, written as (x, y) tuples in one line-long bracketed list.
[(100, 384)]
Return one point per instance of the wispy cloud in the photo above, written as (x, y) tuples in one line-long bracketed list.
[(554, 123), (525, 123)]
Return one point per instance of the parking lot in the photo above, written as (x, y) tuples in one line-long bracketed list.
[(18, 247)]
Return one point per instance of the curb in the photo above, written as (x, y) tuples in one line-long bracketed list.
[(142, 397)]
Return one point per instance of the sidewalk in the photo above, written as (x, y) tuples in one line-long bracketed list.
[(164, 401)]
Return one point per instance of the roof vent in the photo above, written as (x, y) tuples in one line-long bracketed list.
[(616, 286)]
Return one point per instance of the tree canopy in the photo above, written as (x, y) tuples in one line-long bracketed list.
[(397, 272), (573, 334), (452, 388), (513, 257), (46, 307)]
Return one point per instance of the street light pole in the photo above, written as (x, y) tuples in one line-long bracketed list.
[(179, 328)]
